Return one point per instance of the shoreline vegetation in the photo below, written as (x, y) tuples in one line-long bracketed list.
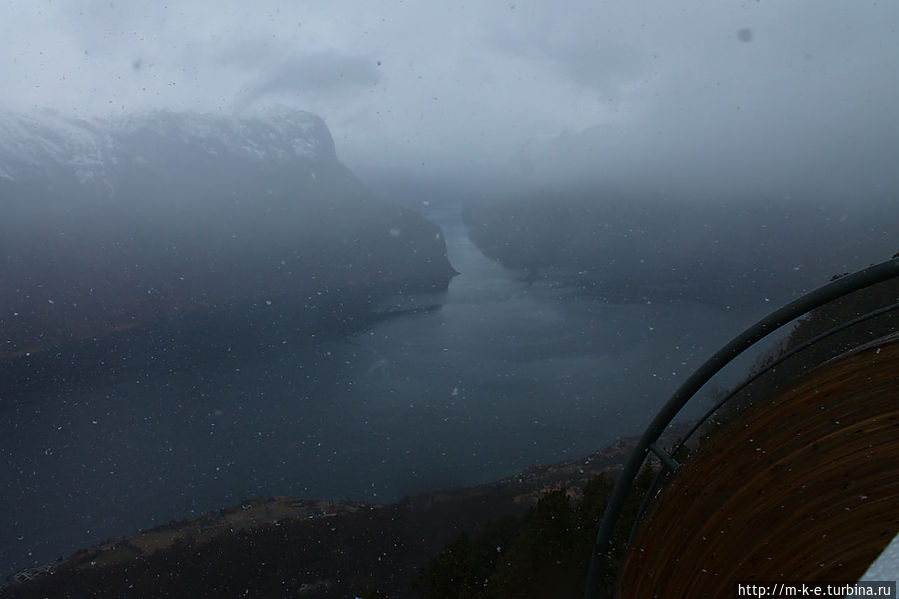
[(328, 548)]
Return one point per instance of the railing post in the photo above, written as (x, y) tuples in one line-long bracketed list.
[(669, 462)]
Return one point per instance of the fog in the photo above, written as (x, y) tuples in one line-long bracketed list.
[(737, 94), (624, 188)]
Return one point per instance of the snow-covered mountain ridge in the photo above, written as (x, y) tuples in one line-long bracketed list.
[(111, 224), (46, 144)]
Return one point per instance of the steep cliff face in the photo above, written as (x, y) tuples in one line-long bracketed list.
[(120, 223)]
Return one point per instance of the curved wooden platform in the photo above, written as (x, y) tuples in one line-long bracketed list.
[(802, 487)]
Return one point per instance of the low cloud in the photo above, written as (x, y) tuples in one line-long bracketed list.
[(319, 73), (604, 64)]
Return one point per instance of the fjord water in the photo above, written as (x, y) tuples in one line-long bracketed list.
[(499, 374)]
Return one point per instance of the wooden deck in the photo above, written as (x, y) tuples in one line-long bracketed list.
[(801, 487)]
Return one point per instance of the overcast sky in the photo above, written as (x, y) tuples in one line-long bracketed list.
[(457, 83)]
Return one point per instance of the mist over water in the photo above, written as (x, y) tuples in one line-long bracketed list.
[(653, 178), (502, 374)]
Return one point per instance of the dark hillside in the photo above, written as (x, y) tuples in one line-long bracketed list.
[(285, 547), (110, 226), (625, 248)]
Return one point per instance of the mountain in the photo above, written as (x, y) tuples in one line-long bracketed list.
[(628, 220), (692, 213), (629, 247), (120, 223)]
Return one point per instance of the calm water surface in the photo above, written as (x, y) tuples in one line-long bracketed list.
[(501, 376)]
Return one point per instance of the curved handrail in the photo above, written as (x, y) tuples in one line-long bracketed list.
[(777, 362), (814, 299), (739, 388)]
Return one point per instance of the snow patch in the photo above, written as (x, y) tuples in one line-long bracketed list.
[(32, 146)]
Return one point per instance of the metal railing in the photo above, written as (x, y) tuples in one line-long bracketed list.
[(648, 441)]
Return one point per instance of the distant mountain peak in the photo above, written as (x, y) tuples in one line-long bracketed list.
[(279, 134), (34, 145)]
